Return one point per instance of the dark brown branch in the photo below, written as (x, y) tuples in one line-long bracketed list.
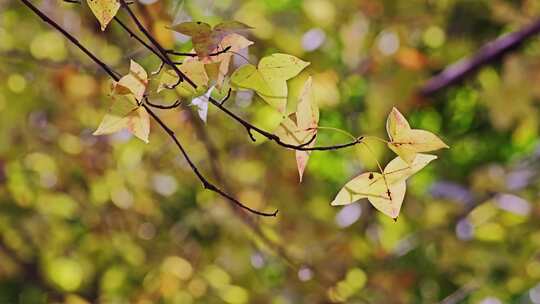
[(173, 52), (248, 126), (113, 74), (163, 107), (205, 182), (155, 43), (487, 54)]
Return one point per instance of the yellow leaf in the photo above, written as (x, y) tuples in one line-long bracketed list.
[(406, 142), (384, 191), (104, 10), (269, 79), (398, 169), (125, 113), (371, 185), (133, 83)]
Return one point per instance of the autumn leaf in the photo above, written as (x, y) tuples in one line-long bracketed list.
[(307, 119), (125, 113), (371, 185), (195, 71), (204, 38), (133, 83), (304, 129), (384, 191), (104, 10), (269, 78), (406, 142)]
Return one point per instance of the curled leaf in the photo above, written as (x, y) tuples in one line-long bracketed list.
[(201, 103), (133, 83), (406, 142)]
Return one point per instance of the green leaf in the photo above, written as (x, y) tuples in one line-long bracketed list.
[(269, 79)]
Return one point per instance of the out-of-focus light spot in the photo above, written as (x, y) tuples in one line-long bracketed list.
[(121, 136), (534, 294), (257, 260), (147, 2), (313, 39), (320, 12), (244, 98), (490, 300), (513, 203), (66, 273), (6, 40), (178, 267), (165, 185), (388, 42), (533, 269), (405, 245), (70, 143), (49, 45), (490, 232), (122, 198), (453, 191), (216, 277), (464, 230), (16, 83), (356, 278), (197, 288), (434, 37), (234, 295), (147, 231), (348, 215), (305, 274), (519, 179)]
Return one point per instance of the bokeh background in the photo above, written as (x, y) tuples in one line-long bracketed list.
[(87, 219)]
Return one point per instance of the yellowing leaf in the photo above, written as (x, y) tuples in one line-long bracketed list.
[(372, 186), (269, 79), (104, 10), (384, 192), (304, 129), (307, 119), (133, 83), (235, 43), (204, 38), (406, 142), (195, 71), (125, 114), (398, 169)]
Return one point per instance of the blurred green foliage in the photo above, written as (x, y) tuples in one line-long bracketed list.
[(87, 219)]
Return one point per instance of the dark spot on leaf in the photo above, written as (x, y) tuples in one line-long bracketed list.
[(370, 176)]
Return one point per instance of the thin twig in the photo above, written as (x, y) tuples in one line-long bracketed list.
[(163, 107), (207, 185), (173, 52), (248, 126)]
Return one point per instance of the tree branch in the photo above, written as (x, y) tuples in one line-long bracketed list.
[(487, 54), (248, 126), (207, 185)]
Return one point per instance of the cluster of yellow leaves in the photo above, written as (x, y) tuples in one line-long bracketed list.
[(214, 49), (386, 190), (126, 111)]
